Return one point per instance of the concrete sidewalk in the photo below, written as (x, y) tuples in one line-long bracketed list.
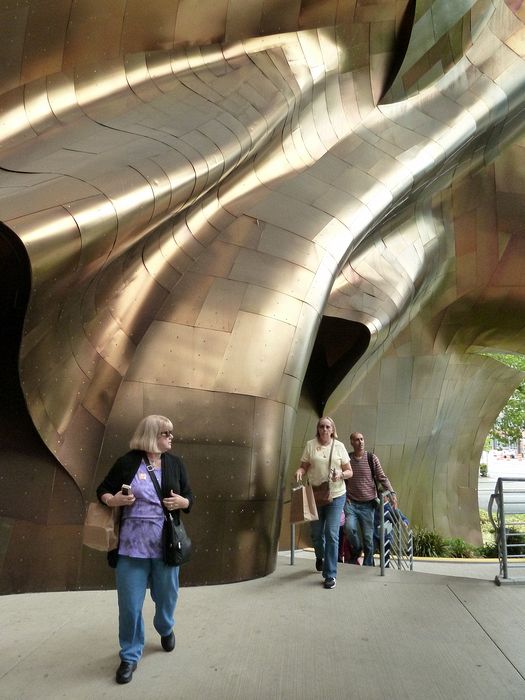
[(406, 635)]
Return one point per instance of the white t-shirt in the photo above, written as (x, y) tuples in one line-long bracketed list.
[(317, 456)]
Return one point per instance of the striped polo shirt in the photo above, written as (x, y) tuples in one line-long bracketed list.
[(361, 487)]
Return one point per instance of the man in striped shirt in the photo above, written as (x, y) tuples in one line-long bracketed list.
[(361, 494)]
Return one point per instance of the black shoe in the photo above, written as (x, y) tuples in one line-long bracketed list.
[(318, 564), (329, 583), (168, 642), (125, 672)]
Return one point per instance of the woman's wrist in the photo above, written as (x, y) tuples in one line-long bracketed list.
[(106, 499)]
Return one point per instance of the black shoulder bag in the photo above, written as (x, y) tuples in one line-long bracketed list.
[(176, 544)]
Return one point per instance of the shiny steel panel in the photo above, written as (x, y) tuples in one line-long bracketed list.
[(195, 185)]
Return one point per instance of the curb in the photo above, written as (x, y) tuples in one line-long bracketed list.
[(457, 560)]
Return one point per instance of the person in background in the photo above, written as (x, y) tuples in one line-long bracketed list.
[(325, 459), (393, 517), (345, 553), (139, 557), (343, 542), (361, 499)]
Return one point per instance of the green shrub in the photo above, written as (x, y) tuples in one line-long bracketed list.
[(488, 550), (483, 469), (515, 541), (428, 543), (484, 520), (459, 549), (515, 536), (487, 529)]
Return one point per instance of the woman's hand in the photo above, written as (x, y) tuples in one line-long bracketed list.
[(337, 475), (118, 499), (346, 471), (303, 469), (175, 501), (299, 474)]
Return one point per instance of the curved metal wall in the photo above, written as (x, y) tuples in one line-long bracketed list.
[(195, 187)]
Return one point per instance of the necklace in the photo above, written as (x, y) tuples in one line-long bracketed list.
[(323, 447), (154, 460)]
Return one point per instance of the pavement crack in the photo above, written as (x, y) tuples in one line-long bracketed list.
[(478, 623)]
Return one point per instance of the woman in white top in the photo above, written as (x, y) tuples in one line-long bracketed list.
[(325, 459)]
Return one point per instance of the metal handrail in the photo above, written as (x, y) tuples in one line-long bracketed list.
[(501, 523), (396, 547)]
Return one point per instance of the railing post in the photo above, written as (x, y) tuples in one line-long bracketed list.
[(382, 536), (397, 518), (502, 530), (499, 522)]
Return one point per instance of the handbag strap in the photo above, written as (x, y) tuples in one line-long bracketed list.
[(330, 460), (151, 472)]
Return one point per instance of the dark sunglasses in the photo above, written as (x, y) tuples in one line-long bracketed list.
[(166, 433)]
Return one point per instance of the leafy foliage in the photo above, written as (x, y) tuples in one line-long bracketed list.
[(485, 524), (515, 541), (510, 423), (488, 550), (428, 543), (459, 549)]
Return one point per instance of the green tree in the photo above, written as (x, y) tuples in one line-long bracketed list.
[(509, 424), (511, 421)]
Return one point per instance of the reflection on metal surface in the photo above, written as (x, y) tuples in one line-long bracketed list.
[(195, 190)]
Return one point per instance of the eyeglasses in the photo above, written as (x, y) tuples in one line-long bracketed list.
[(166, 433)]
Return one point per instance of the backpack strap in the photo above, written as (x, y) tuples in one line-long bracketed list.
[(370, 459)]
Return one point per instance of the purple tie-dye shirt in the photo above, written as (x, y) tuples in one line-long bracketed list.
[(141, 524)]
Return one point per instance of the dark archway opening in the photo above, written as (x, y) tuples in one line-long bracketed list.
[(338, 346), (14, 295), (401, 42), (22, 451)]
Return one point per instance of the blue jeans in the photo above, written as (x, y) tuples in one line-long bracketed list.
[(325, 535), (359, 520), (133, 576)]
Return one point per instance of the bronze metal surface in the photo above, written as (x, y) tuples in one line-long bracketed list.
[(188, 189)]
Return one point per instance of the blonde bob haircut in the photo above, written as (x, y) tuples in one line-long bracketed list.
[(333, 434), (147, 433)]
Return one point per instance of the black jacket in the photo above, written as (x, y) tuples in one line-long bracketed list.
[(174, 477)]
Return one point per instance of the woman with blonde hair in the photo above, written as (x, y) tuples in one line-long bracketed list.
[(327, 464), (138, 560)]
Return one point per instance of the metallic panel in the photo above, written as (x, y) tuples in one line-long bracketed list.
[(195, 185)]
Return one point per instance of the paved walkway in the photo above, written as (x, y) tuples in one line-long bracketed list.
[(408, 635)]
